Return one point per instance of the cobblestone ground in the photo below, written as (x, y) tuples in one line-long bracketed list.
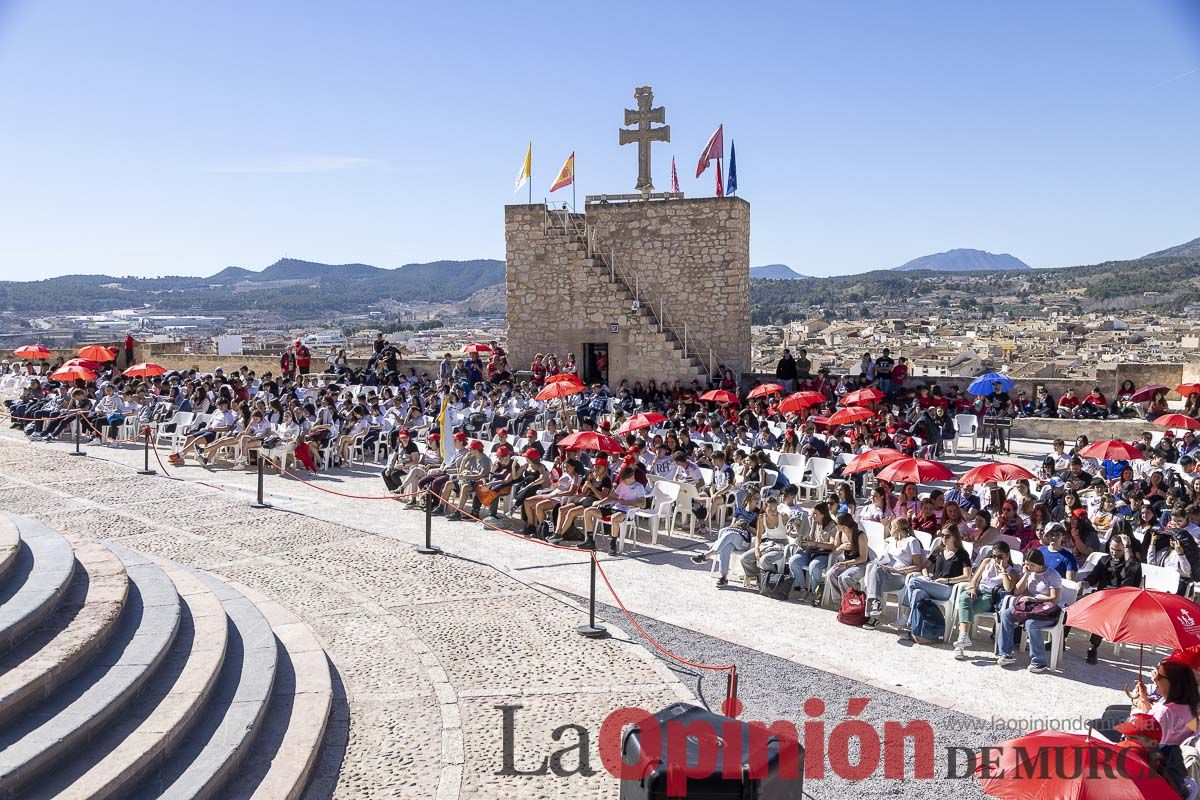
[(424, 648)]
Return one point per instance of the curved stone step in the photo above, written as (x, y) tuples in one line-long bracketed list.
[(286, 749), (37, 580), (81, 708), (155, 722), (10, 544), (77, 630), (225, 730)]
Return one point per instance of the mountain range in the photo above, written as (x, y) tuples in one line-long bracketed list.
[(964, 260), (776, 272), (1188, 250)]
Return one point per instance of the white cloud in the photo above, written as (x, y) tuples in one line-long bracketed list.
[(298, 165)]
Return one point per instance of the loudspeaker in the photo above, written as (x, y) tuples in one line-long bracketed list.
[(681, 727)]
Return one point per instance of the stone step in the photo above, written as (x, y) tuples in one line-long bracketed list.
[(70, 637), (287, 746), (158, 719), (10, 545), (36, 582), (83, 707), (224, 732)]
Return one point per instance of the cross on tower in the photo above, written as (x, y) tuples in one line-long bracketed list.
[(644, 134)]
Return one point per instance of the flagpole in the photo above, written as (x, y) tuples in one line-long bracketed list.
[(531, 173)]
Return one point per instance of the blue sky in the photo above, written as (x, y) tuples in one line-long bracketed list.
[(178, 138)]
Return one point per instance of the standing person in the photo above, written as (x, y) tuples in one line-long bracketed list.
[(303, 358), (287, 364), (803, 366), (883, 371), (785, 371), (129, 349)]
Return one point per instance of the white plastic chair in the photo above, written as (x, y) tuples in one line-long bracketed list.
[(175, 439), (685, 496), (965, 425), (660, 512), (1160, 579), (790, 460), (819, 470)]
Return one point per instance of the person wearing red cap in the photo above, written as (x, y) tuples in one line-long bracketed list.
[(436, 479), (404, 456), (541, 506), (531, 479), (596, 487), (472, 469), (500, 478), (431, 458)]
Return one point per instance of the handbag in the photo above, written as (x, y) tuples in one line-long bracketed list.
[(270, 442), (1027, 608), (485, 495)]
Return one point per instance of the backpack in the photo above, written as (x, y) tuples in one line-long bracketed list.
[(854, 608), (930, 627), (775, 584)]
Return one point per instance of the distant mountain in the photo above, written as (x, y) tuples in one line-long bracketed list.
[(965, 260), (1189, 250), (776, 272)]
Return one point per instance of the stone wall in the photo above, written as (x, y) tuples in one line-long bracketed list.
[(557, 303), (694, 255)]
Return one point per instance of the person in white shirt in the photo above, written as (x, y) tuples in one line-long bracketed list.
[(878, 509), (222, 422), (1042, 585), (902, 554), (994, 578), (235, 440), (685, 471)]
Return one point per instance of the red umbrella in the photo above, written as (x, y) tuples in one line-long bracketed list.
[(554, 391), (915, 470), (863, 397), (1184, 389), (95, 352), (82, 362), (564, 377), (1052, 764), (996, 471), (73, 374), (1112, 450), (1178, 421), (475, 347), (1138, 616), (145, 370), (32, 352), (591, 440), (639, 421), (1146, 393), (798, 401), (766, 390), (873, 459), (719, 396), (851, 415)]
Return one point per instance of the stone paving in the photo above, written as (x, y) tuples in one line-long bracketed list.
[(424, 648)]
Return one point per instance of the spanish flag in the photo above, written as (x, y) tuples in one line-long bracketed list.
[(566, 175), (526, 169)]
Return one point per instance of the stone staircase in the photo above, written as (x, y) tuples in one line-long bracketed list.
[(568, 229), (123, 676)]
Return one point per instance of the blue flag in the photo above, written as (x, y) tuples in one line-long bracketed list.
[(731, 187)]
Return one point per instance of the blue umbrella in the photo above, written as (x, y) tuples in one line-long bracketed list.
[(983, 384)]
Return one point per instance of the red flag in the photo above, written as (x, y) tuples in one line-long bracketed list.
[(715, 149), (566, 175), (720, 186), (674, 177)]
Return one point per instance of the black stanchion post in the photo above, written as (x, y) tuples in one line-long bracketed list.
[(78, 425), (428, 549), (146, 469), (592, 630), (260, 503)]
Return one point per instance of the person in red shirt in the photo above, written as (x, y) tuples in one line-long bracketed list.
[(537, 370), (1094, 405), (1068, 403), (303, 358), (129, 349)]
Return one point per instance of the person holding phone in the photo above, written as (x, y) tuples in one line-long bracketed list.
[(993, 579), (902, 555), (1042, 584)]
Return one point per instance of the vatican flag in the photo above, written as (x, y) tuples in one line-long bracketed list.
[(566, 175), (526, 169)]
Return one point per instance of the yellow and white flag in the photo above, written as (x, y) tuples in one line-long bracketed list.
[(526, 169), (566, 175)]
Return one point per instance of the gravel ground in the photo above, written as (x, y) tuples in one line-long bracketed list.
[(776, 689)]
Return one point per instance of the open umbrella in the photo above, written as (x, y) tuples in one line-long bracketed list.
[(73, 374), (1138, 616), (983, 384), (96, 352), (995, 471), (639, 421), (591, 440), (32, 352), (863, 397), (872, 459), (145, 370), (719, 396), (766, 390), (1178, 421), (1184, 389), (798, 401), (86, 363), (915, 470), (1053, 764), (475, 347), (559, 389), (1112, 450), (851, 415), (1146, 393), (564, 377)]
